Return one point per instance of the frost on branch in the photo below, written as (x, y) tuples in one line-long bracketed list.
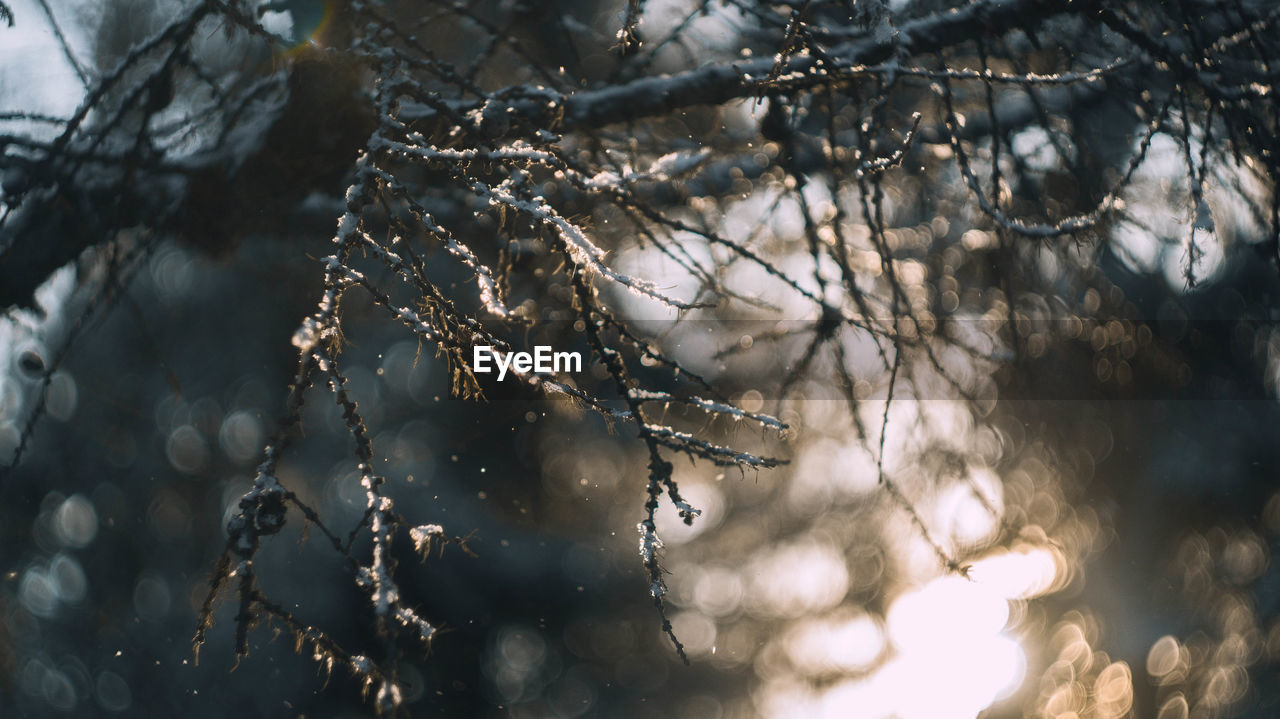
[(378, 250), (871, 185)]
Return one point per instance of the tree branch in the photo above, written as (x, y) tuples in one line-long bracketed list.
[(717, 84)]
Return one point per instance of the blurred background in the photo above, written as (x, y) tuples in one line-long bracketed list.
[(1047, 492)]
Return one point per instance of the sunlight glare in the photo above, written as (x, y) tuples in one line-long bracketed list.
[(954, 630), (1022, 573)]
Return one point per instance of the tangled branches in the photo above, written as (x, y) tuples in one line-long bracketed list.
[(931, 159)]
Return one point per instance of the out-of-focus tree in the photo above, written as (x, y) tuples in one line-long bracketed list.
[(935, 340)]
